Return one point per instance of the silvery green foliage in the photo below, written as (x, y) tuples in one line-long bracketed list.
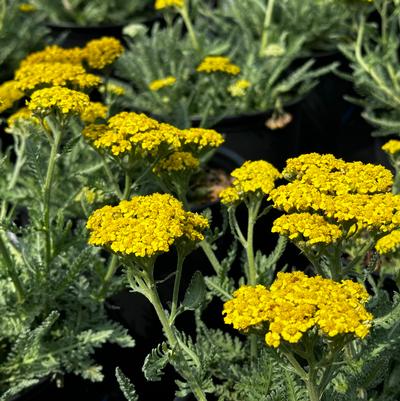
[(374, 60), (20, 33), (371, 370), (126, 386), (328, 22), (276, 78), (94, 12), (59, 321)]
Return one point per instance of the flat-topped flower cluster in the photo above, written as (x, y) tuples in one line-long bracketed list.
[(351, 196), (295, 304), (144, 226)]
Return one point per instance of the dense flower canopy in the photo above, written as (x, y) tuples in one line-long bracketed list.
[(354, 196)]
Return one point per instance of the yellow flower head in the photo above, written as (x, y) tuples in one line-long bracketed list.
[(251, 178), (99, 53), (178, 161), (132, 132), (31, 76), (144, 226), (295, 304), (64, 100), (92, 132), (93, 112), (116, 90), (22, 114), (351, 195), (392, 147), (389, 243), (27, 8), (54, 54), (9, 94), (162, 83), (201, 138), (161, 4), (238, 88), (305, 227), (218, 64), (296, 167)]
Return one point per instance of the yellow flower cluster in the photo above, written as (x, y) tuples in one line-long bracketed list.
[(392, 147), (93, 112), (144, 226), (115, 89), (297, 166), (9, 94), (295, 304), (336, 177), (127, 129), (389, 243), (161, 4), (31, 76), (54, 54), (27, 8), (305, 227), (218, 64), (253, 177), (99, 53), (202, 138), (161, 83), (178, 161), (21, 114), (65, 101), (238, 88), (352, 195)]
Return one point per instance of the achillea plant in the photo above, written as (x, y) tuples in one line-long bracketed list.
[(94, 13), (50, 275), (213, 68)]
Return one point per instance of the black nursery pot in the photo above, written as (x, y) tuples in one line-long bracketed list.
[(71, 35), (248, 135)]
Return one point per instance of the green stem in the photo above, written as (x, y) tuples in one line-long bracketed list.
[(184, 11), (111, 177), (267, 23), (253, 210), (11, 270), (207, 249), (235, 227), (177, 284), (47, 191), (127, 188)]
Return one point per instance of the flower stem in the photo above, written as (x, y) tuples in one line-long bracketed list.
[(177, 284), (47, 191), (152, 294), (184, 11), (207, 249), (253, 210), (267, 23)]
